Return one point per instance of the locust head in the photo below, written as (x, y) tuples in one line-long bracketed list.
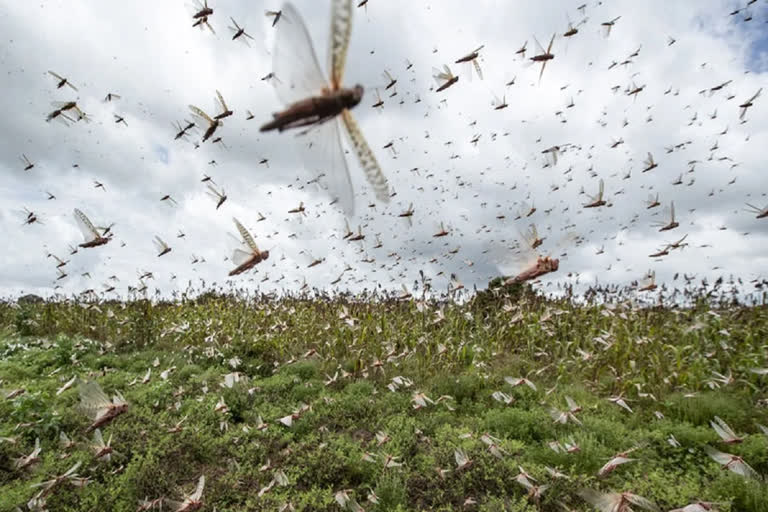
[(351, 97), (548, 264)]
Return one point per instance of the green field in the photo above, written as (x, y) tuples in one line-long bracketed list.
[(353, 373)]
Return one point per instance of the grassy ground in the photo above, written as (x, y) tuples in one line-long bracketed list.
[(351, 371)]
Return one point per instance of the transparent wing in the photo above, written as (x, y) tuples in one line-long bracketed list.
[(442, 76), (239, 257), (649, 160), (531, 236), (200, 114), (98, 439), (511, 261), (85, 225), (215, 194), (603, 502), (199, 491), (642, 502), (718, 456), (294, 61), (220, 100), (438, 76), (240, 253), (477, 68), (92, 399), (326, 155), (74, 468), (341, 29), (373, 172), (246, 235), (551, 41), (173, 504)]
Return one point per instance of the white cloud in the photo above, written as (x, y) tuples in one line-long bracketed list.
[(149, 53)]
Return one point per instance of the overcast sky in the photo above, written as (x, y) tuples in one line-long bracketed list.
[(149, 54)]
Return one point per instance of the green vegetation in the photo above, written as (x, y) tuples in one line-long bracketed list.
[(350, 370)]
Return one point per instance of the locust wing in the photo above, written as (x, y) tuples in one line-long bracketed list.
[(160, 244), (442, 76), (220, 100), (86, 226), (373, 172), (240, 252), (326, 155), (641, 502), (201, 116), (93, 401), (294, 61), (600, 192), (214, 194), (246, 236), (341, 30), (199, 490), (239, 257), (649, 161), (603, 502)]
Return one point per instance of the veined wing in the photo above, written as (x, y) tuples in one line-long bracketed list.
[(118, 399), (642, 502), (603, 502), (341, 30), (477, 68), (294, 61), (531, 237), (201, 115), (373, 172), (442, 76), (86, 226), (215, 194), (220, 100), (239, 257), (649, 161), (240, 252), (74, 468), (160, 243), (197, 5), (98, 439), (511, 260), (93, 400), (246, 236), (199, 490)]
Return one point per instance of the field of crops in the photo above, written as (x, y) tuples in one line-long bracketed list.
[(298, 404)]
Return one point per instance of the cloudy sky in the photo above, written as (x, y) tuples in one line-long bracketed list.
[(149, 54)]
